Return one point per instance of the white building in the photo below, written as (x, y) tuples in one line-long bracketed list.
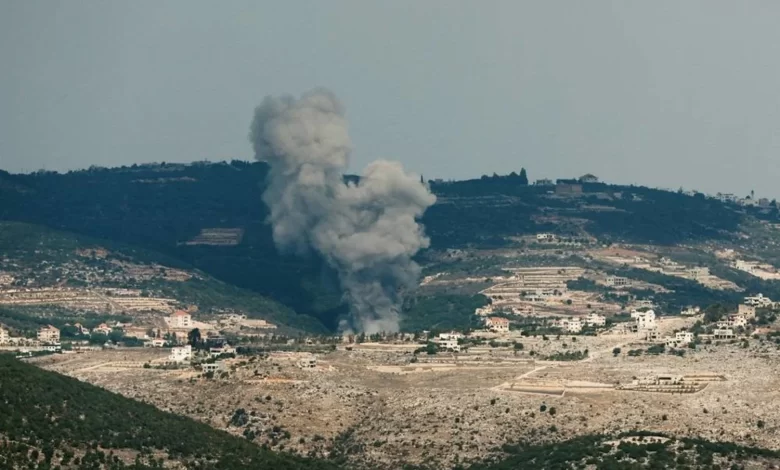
[(497, 324), (155, 343), (733, 321), (220, 350), (81, 329), (681, 338), (523, 310), (3, 335), (618, 281), (690, 311), (180, 354), (644, 303), (214, 367), (48, 335), (447, 342), (232, 319), (484, 311), (180, 319), (726, 197), (569, 325), (102, 329), (723, 333), (759, 301), (545, 237), (452, 335), (644, 320), (595, 320)]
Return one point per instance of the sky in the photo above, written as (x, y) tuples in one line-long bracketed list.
[(664, 93)]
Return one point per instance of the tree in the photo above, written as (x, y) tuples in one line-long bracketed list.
[(523, 176), (615, 352), (193, 337), (714, 313)]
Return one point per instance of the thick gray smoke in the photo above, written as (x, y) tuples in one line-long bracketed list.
[(367, 231)]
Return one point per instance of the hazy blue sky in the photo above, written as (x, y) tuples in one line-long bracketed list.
[(665, 93)]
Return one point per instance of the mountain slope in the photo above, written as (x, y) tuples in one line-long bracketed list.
[(38, 256), (47, 418), (166, 208)]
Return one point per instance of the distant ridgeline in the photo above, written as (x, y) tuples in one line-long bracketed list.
[(49, 421), (166, 207)]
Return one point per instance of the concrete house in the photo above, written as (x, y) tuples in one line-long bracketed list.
[(569, 325), (618, 281), (758, 301), (48, 335), (733, 321), (589, 178), (484, 311), (644, 320), (545, 237), (180, 354), (690, 311), (217, 351), (497, 324), (723, 333), (595, 320), (747, 311), (452, 335), (102, 329), (180, 319), (681, 338), (449, 341), (214, 367), (3, 335), (154, 343), (568, 189)]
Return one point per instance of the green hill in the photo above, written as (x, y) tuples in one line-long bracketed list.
[(51, 421), (159, 207)]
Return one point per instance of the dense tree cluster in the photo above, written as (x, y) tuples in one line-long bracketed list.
[(644, 451)]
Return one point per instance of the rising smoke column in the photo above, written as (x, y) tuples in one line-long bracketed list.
[(367, 231)]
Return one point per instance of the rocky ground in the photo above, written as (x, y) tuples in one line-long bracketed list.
[(377, 408)]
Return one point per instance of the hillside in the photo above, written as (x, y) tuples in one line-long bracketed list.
[(79, 273), (210, 217), (632, 451), (51, 421)]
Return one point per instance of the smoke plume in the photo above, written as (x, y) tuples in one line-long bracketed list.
[(367, 231)]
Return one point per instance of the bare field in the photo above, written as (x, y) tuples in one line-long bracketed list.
[(375, 404)]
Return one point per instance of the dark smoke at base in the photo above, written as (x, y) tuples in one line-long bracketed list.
[(367, 231)]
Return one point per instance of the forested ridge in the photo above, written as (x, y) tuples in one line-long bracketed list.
[(158, 207)]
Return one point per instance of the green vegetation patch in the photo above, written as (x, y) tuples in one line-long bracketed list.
[(57, 414)]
